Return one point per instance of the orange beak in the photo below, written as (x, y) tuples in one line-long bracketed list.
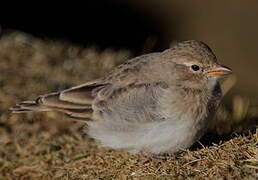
[(219, 71)]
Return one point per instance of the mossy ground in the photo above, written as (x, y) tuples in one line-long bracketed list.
[(50, 146)]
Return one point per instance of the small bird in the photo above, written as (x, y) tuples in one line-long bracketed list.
[(157, 103)]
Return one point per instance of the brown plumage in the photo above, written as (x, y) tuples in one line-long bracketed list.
[(157, 103), (76, 102)]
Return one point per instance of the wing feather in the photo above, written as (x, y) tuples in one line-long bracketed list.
[(75, 102)]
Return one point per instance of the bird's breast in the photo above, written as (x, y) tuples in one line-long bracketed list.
[(183, 104)]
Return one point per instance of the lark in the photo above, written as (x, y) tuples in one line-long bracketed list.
[(155, 103)]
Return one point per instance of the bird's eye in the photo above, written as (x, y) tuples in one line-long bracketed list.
[(195, 67)]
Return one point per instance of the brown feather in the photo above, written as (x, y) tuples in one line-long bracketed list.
[(53, 100), (82, 94), (75, 102)]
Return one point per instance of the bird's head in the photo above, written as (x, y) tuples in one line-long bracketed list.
[(195, 64)]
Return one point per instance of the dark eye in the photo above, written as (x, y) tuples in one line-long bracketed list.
[(195, 67)]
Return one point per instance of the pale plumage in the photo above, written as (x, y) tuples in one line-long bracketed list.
[(156, 103)]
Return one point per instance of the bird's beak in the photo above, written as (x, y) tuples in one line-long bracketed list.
[(219, 71)]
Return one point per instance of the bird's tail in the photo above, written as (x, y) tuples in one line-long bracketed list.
[(75, 102), (28, 106)]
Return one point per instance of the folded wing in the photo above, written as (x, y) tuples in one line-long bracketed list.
[(75, 102)]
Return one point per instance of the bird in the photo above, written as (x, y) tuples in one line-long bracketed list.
[(157, 103)]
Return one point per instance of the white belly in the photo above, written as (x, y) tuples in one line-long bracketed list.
[(154, 137)]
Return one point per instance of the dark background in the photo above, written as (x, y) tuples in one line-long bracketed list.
[(104, 23)]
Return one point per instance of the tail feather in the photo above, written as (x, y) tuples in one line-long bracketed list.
[(51, 103), (28, 106), (74, 102)]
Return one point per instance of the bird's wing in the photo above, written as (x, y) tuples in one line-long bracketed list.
[(125, 91), (76, 102), (133, 103)]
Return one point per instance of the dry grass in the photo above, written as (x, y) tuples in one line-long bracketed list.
[(49, 146)]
